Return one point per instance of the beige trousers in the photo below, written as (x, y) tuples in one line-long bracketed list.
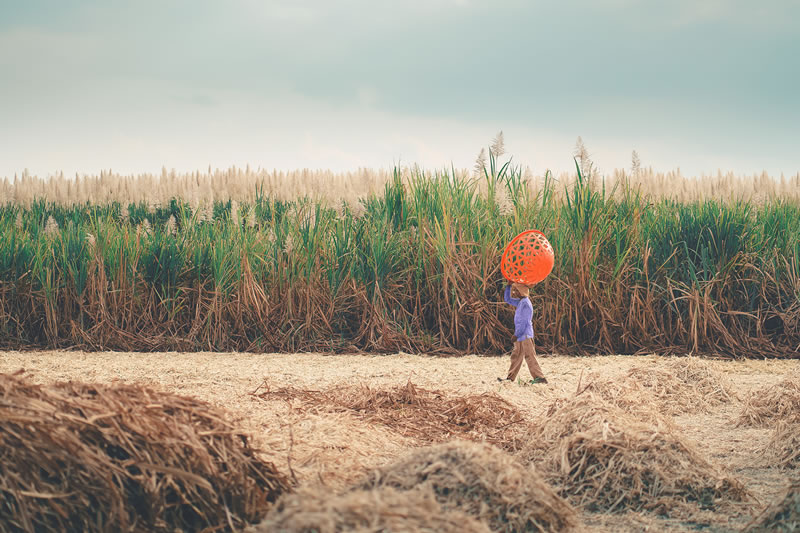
[(524, 350)]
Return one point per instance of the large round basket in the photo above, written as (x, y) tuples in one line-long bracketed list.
[(528, 258)]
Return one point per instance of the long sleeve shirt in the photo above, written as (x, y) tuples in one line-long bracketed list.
[(523, 317)]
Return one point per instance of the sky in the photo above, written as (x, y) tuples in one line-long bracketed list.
[(134, 86)]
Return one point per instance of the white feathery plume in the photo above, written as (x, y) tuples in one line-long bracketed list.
[(235, 212), (340, 209), (501, 198), (498, 147), (288, 245), (51, 227), (480, 162), (250, 217), (204, 213), (357, 208), (636, 164), (171, 225), (582, 154)]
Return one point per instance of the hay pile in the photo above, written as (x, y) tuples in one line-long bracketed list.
[(365, 511), (776, 403), (605, 459), (777, 406), (426, 415), (482, 481), (782, 516), (783, 448), (687, 384), (78, 457)]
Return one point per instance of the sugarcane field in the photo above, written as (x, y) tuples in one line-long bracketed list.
[(275, 267)]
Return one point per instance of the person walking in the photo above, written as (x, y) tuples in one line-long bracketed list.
[(524, 347)]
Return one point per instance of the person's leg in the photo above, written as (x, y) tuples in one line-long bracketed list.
[(516, 362), (528, 349)]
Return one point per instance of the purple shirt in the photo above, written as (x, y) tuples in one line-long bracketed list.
[(523, 325)]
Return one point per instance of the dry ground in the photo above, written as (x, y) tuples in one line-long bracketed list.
[(335, 449)]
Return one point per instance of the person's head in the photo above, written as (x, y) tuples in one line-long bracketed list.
[(523, 291)]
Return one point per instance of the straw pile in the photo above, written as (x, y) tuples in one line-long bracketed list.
[(782, 516), (783, 448), (687, 384), (768, 405), (483, 481), (79, 457), (605, 459), (426, 415), (365, 511)]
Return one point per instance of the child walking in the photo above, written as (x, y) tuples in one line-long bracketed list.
[(524, 347)]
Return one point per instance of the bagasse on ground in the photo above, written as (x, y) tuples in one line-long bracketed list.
[(783, 516), (365, 511), (779, 402), (484, 482), (411, 411), (93, 457), (337, 449), (608, 460)]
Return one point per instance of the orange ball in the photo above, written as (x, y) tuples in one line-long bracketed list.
[(528, 258)]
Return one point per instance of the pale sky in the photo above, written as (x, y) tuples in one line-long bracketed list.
[(137, 85)]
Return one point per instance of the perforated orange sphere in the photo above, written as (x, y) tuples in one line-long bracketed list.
[(528, 258)]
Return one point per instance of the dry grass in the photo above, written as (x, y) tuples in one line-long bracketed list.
[(365, 511), (768, 405), (783, 516), (331, 449), (686, 384), (425, 415), (482, 481), (608, 460), (783, 448), (78, 457), (340, 447), (242, 183)]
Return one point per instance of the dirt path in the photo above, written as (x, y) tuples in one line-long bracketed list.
[(335, 448)]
